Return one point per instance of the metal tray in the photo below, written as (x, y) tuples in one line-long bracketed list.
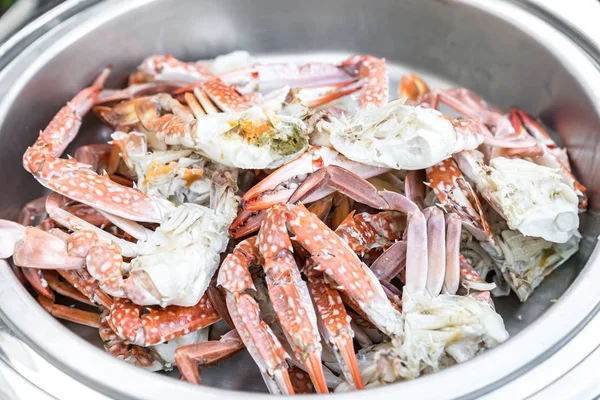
[(509, 52)]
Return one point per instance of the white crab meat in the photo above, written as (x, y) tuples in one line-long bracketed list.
[(177, 261), (438, 332), (229, 62), (398, 136), (528, 260), (532, 198), (250, 139), (177, 175), (167, 350)]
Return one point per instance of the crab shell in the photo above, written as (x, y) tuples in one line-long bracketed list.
[(438, 332), (250, 139), (181, 256), (398, 136), (532, 198)]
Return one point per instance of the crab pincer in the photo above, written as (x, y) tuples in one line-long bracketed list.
[(334, 323), (261, 342), (289, 294), (79, 181), (159, 325)]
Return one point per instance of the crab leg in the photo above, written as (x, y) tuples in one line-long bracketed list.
[(344, 269), (36, 278), (424, 269), (289, 294), (81, 280), (320, 95), (414, 188), (469, 104), (188, 357), (159, 325), (436, 251), (268, 77), (364, 231), (451, 278), (266, 193), (457, 195), (70, 314), (373, 71), (217, 298), (261, 342), (143, 357), (334, 324), (64, 127), (67, 290), (517, 133), (76, 180), (137, 90), (416, 256), (391, 262)]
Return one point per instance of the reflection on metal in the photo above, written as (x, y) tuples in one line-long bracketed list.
[(16, 16), (25, 375)]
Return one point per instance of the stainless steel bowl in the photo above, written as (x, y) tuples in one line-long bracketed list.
[(508, 52)]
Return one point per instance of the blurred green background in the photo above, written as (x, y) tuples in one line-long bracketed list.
[(4, 4)]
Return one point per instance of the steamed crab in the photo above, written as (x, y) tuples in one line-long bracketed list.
[(188, 233), (353, 250), (433, 264)]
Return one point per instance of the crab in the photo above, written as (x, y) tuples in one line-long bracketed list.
[(515, 187), (516, 125), (188, 232), (515, 171), (431, 264), (370, 71), (148, 337), (360, 220), (192, 236)]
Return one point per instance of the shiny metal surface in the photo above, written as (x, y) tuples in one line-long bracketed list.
[(504, 53)]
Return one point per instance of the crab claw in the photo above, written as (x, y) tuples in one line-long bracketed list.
[(159, 325), (290, 295), (412, 88), (245, 223), (344, 269), (373, 72), (35, 248), (281, 184), (334, 324), (456, 194)]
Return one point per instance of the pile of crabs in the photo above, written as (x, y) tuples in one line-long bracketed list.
[(345, 239)]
